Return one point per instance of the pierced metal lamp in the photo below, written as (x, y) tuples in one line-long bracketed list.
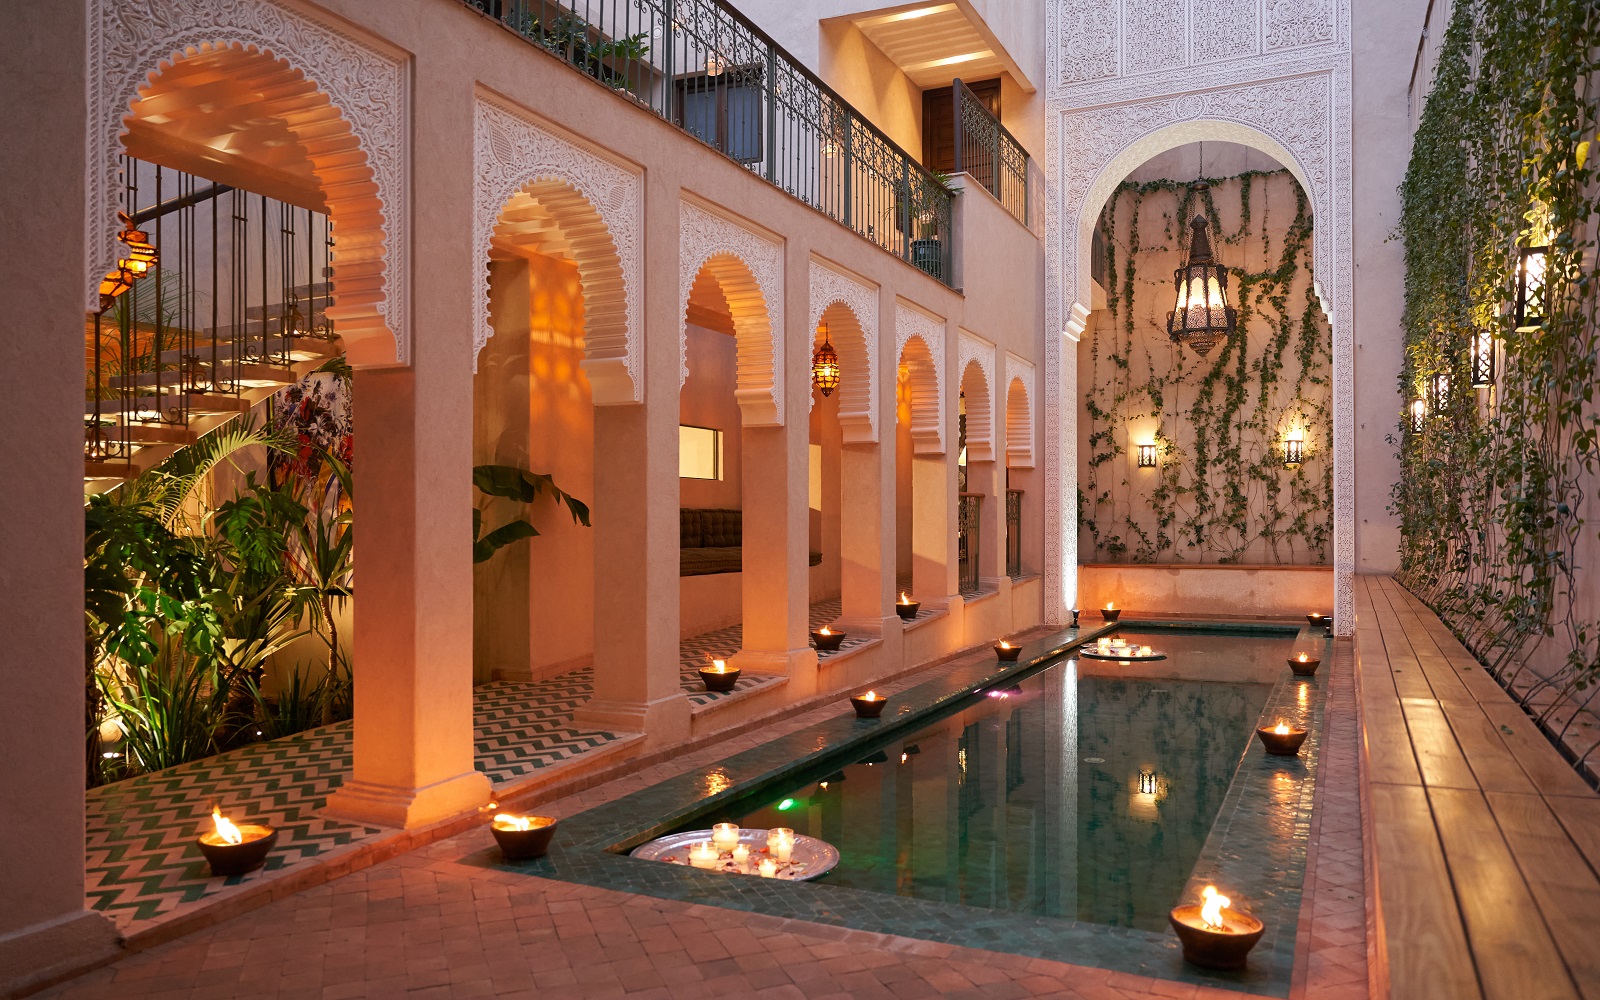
[(1202, 316), (825, 363)]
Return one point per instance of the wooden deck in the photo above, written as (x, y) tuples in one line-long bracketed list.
[(1483, 844)]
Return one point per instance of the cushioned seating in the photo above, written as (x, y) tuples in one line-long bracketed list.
[(711, 540)]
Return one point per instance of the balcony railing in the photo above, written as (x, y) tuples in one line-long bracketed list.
[(1013, 533), (968, 534), (706, 68), (989, 153)]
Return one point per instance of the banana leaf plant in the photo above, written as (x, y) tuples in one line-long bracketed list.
[(520, 486)]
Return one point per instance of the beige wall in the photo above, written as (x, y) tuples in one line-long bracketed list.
[(708, 401), (1383, 48), (1163, 245)]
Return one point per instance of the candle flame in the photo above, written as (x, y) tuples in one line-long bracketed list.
[(870, 696), (506, 821), (1211, 909), (225, 829), (824, 631), (1282, 729), (720, 666), (903, 598), (1111, 606), (1004, 644), (1303, 657)]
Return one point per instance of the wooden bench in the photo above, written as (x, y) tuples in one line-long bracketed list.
[(1482, 842)]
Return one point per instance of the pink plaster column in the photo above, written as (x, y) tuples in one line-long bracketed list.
[(866, 536), (933, 525), (637, 688), (412, 654), (44, 928)]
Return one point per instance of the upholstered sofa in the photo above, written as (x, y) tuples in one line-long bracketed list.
[(711, 540)]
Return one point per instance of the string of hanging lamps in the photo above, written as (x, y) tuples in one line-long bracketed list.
[(825, 363)]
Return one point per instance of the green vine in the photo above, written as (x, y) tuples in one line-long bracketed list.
[(1220, 492), (1492, 482)]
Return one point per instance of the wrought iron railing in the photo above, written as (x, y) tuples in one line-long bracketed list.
[(968, 536), (990, 154), (239, 285), (1013, 533), (706, 68)]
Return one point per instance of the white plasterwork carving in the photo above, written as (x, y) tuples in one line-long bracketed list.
[(132, 40), (980, 413), (1275, 77), (858, 410), (703, 235), (908, 323), (1019, 447), (513, 152)]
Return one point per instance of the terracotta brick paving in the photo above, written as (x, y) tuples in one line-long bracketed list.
[(426, 925)]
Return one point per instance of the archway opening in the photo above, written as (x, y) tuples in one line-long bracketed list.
[(1222, 458), (974, 539), (1021, 479), (920, 507)]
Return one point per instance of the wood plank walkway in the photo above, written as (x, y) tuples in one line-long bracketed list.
[(1483, 844)]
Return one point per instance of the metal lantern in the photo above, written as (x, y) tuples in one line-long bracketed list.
[(1419, 413), (1147, 782), (1147, 456), (142, 256), (1482, 360), (1294, 452), (825, 364), (1532, 306), (1438, 392), (1202, 316)]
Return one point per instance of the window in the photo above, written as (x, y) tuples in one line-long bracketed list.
[(699, 453), (725, 111)]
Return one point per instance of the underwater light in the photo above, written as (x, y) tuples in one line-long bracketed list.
[(786, 805)]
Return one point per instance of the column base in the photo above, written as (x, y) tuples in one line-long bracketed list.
[(874, 627), (368, 803), (663, 722), (37, 956), (774, 664)]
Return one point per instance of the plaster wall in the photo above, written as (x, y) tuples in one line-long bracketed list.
[(1382, 53), (707, 401), (1245, 591), (43, 924), (1163, 244)]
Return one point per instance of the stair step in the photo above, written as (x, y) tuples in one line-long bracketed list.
[(300, 349), (109, 470), (198, 402), (139, 432), (249, 375)]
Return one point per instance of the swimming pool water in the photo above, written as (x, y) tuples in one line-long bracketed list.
[(1086, 791)]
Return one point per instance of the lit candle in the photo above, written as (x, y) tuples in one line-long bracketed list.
[(720, 666), (903, 598), (1004, 644), (1282, 729), (1111, 606), (769, 868), (780, 841), (724, 836), (869, 696), (704, 855), (1302, 657), (741, 857), (824, 630)]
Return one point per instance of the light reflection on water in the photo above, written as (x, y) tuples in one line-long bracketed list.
[(996, 807)]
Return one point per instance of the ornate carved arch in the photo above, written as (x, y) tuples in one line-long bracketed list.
[(978, 385), (353, 133), (1127, 82), (749, 269), (919, 346), (856, 339), (598, 206), (1019, 379)]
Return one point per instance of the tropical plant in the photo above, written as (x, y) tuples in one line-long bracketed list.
[(522, 487)]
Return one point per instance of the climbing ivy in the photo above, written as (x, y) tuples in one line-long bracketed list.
[(1492, 482), (1220, 492)]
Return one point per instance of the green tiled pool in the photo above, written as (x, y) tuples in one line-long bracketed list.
[(1085, 791), (1054, 808)]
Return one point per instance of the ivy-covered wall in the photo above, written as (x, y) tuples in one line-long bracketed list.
[(1220, 492), (1497, 486)]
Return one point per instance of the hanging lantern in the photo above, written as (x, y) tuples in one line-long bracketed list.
[(142, 256), (1531, 286), (1202, 316), (825, 364)]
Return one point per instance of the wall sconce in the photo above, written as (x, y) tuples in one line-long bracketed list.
[(1482, 360), (1419, 413), (1147, 456), (1438, 392), (1294, 449), (1532, 306), (825, 363), (1147, 781)]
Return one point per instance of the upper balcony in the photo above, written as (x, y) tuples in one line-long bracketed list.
[(708, 69)]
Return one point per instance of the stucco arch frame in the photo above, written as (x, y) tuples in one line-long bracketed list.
[(513, 153), (857, 344), (132, 42), (1304, 123), (925, 372), (748, 266)]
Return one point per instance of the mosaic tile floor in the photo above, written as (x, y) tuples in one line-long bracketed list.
[(141, 862)]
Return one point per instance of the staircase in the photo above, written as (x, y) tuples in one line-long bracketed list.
[(216, 375)]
